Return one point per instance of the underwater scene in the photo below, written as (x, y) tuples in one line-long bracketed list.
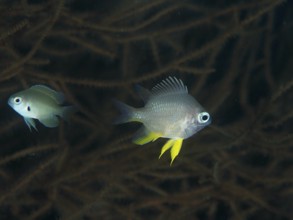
[(146, 109)]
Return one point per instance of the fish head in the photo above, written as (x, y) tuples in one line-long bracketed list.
[(20, 104), (198, 121)]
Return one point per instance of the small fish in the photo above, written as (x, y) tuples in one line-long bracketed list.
[(169, 112), (42, 103)]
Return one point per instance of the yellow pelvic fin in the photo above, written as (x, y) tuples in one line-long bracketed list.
[(166, 147), (175, 146), (146, 138), (176, 149)]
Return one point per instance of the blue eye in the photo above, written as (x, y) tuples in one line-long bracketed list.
[(203, 117), (17, 100)]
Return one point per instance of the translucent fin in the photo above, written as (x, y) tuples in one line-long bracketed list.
[(67, 111), (126, 112), (30, 122), (57, 96), (171, 85), (166, 147), (143, 93), (50, 122), (176, 149), (143, 136)]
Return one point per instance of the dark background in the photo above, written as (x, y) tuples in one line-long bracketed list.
[(234, 56)]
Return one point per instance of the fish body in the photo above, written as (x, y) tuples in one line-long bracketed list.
[(169, 112), (41, 103), (171, 115)]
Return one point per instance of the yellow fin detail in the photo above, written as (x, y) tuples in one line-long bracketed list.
[(176, 149), (166, 146), (150, 136)]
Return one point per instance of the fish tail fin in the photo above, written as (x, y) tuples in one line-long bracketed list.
[(67, 111), (127, 112)]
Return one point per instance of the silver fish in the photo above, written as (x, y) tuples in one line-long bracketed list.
[(169, 112), (41, 103)]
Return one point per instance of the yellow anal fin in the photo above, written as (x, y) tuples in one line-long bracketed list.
[(176, 149), (146, 138)]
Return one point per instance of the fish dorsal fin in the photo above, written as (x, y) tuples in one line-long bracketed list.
[(57, 96), (143, 93), (171, 85)]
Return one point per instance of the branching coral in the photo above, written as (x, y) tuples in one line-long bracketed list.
[(234, 58)]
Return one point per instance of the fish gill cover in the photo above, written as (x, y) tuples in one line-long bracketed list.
[(234, 57)]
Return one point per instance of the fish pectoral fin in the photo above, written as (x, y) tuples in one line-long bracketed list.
[(176, 149), (166, 146), (30, 122), (143, 136), (50, 122)]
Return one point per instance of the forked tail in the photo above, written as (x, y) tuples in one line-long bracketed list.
[(67, 112), (127, 112)]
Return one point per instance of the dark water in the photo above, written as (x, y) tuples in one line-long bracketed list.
[(234, 56)]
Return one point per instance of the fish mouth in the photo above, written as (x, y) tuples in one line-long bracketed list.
[(9, 102)]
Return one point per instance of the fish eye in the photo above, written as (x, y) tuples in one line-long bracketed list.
[(203, 117), (17, 100)]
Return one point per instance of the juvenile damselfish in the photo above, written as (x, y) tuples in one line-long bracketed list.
[(41, 103), (169, 112)]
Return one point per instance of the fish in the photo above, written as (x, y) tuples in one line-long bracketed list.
[(169, 112), (40, 103)]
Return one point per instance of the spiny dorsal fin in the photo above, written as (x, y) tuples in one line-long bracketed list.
[(57, 96), (171, 85)]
